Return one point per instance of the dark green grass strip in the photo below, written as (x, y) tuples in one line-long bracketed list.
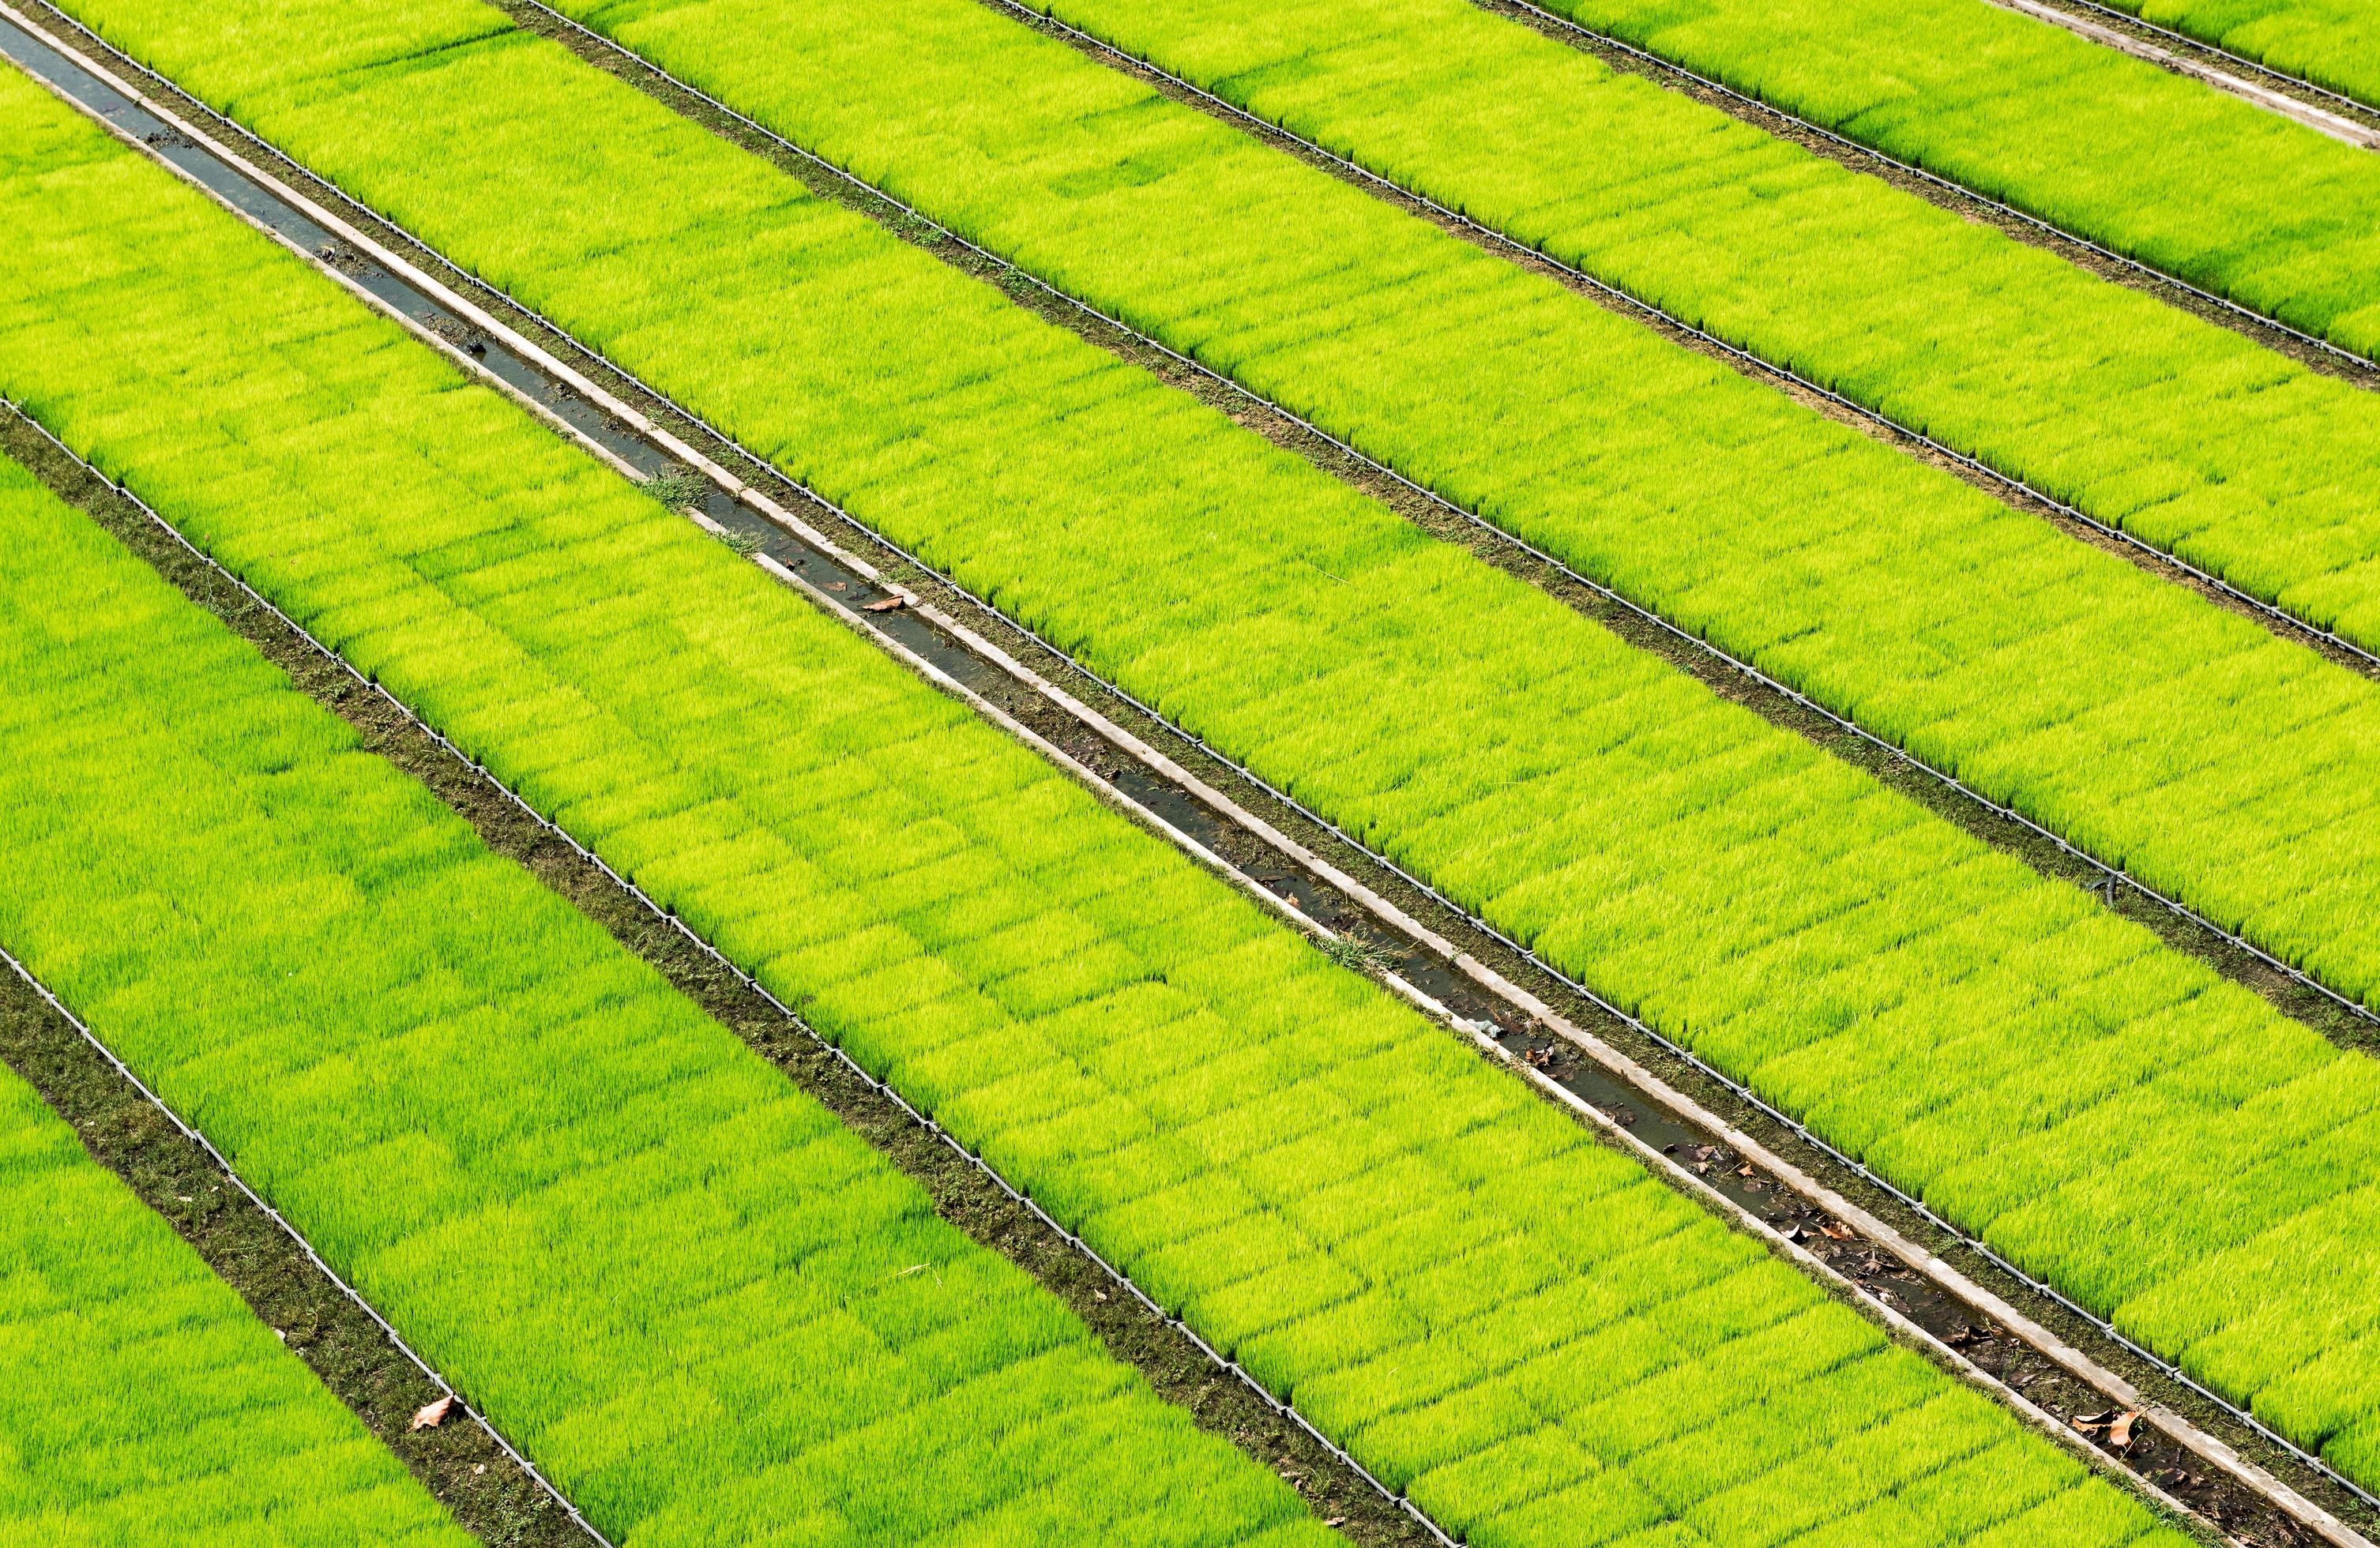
[(143, 1402), (1864, 963), (701, 1305)]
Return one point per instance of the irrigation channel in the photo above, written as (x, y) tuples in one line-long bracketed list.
[(1808, 1210), (2109, 878), (1747, 360), (2354, 111)]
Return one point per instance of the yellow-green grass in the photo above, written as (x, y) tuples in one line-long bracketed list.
[(702, 1304), (1787, 915), (2184, 743), (2232, 197), (710, 1313), (2141, 415)]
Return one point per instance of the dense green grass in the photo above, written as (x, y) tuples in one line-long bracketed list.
[(706, 1308), (2331, 42), (2179, 432), (144, 1403), (2111, 706), (2201, 184), (1997, 1041), (676, 1280)]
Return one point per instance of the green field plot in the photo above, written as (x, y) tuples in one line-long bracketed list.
[(2112, 706), (708, 1309), (2167, 170), (2182, 434), (2110, 1113), (2334, 44), (144, 1403), (703, 1306)]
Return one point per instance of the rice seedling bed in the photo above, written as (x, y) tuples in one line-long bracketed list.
[(146, 1403), (373, 1374), (1993, 357), (2341, 1023), (2072, 133), (2331, 44), (703, 1301), (2136, 765), (2150, 1005), (1159, 1164), (1220, 831)]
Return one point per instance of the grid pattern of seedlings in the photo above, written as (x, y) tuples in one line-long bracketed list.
[(2334, 44), (145, 1403), (2215, 190), (2180, 432), (2110, 1113), (2054, 676), (556, 1174), (2106, 703), (710, 1311)]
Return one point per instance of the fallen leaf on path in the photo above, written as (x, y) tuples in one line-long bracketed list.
[(2120, 1433), (1835, 1231), (889, 604), (429, 1416)]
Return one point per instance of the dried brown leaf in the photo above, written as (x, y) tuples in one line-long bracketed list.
[(1835, 1231), (2120, 1433), (893, 603), (429, 1416)]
